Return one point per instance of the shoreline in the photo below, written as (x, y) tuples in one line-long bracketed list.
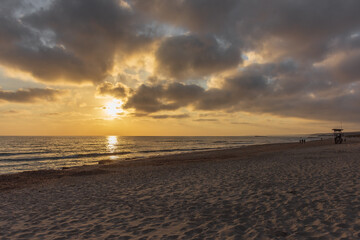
[(21, 154), (27, 178)]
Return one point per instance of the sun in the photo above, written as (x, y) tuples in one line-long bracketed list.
[(113, 108)]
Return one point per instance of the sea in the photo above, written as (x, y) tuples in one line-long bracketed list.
[(29, 153)]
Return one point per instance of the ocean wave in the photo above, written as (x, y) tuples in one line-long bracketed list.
[(241, 142), (87, 155), (5, 154)]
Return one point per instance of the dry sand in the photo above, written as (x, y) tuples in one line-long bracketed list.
[(279, 191)]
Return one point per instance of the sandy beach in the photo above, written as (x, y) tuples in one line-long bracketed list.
[(275, 191)]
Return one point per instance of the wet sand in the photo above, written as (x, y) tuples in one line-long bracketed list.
[(275, 191)]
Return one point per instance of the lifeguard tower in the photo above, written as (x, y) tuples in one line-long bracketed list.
[(338, 135)]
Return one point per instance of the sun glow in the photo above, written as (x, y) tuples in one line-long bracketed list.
[(113, 108)]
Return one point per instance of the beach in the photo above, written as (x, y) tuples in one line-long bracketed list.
[(273, 191)]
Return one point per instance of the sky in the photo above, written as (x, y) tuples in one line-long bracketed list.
[(180, 67)]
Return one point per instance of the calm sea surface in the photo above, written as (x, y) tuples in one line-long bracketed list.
[(19, 154)]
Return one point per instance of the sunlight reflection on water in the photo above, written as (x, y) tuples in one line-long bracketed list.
[(112, 142)]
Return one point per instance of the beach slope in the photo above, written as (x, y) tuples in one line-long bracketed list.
[(277, 191)]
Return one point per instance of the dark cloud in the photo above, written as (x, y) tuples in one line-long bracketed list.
[(181, 93), (77, 40), (283, 89), (333, 108), (242, 123), (30, 95), (157, 98), (302, 29), (206, 120), (139, 114), (167, 116), (148, 99), (176, 95), (9, 6), (196, 15), (115, 90), (348, 68), (70, 40), (215, 99), (189, 56)]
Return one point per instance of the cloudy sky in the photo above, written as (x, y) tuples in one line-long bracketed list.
[(181, 67)]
